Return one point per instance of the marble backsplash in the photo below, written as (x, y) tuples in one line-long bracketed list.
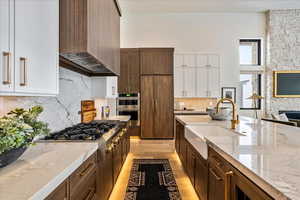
[(60, 111)]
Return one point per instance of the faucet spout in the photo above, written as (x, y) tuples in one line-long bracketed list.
[(234, 120)]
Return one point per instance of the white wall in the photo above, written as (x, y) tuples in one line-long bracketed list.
[(204, 33)]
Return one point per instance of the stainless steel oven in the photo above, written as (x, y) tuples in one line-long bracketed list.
[(129, 104)]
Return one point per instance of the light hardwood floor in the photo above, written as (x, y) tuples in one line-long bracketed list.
[(154, 149)]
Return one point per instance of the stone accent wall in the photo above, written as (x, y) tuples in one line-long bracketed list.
[(60, 111), (283, 53)]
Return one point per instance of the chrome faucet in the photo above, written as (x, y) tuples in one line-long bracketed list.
[(234, 120)]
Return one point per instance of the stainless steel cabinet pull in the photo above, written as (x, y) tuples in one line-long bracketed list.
[(23, 71), (6, 68)]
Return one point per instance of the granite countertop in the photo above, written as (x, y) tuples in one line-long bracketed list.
[(41, 169), (267, 153)]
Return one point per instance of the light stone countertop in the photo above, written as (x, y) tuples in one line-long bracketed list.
[(122, 118), (190, 112), (268, 153), (46, 165), (41, 169)]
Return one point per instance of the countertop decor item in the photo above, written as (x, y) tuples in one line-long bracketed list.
[(223, 114), (17, 131), (229, 93), (255, 97)]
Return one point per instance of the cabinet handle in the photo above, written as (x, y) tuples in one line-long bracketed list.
[(155, 105), (110, 148), (90, 195), (84, 172), (23, 76), (6, 68), (215, 175), (113, 90), (227, 184)]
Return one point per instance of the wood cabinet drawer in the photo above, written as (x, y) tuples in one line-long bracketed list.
[(60, 193), (218, 162), (86, 189), (88, 167)]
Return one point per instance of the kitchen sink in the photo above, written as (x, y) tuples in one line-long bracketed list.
[(197, 135)]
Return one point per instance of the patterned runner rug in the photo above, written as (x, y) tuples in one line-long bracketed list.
[(152, 179)]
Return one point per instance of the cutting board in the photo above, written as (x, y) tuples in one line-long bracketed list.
[(88, 111)]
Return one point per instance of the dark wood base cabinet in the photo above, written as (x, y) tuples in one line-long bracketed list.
[(95, 178), (215, 178)]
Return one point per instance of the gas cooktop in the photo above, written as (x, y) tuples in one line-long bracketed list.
[(84, 131)]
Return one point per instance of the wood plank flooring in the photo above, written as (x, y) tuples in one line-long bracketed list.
[(154, 149)]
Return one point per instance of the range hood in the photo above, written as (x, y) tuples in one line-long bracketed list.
[(84, 63), (89, 36)]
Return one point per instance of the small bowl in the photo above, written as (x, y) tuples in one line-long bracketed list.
[(223, 114)]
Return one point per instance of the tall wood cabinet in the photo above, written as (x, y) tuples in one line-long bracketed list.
[(156, 107), (156, 61), (157, 97), (129, 79)]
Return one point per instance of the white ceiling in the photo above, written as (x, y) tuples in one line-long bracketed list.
[(166, 6)]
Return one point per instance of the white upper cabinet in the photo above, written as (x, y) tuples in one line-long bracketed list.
[(6, 47), (189, 81), (35, 26), (197, 75), (105, 87), (178, 81)]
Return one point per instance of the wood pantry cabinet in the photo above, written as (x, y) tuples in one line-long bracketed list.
[(90, 30), (129, 79), (156, 61), (215, 178), (28, 61), (157, 107)]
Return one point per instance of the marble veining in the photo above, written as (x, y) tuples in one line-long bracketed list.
[(60, 111), (267, 153), (41, 169)]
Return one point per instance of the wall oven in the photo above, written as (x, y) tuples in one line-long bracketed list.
[(129, 104)]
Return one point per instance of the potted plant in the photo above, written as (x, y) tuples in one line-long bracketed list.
[(17, 131)]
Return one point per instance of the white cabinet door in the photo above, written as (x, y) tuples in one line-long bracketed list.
[(213, 60), (190, 60), (178, 81), (6, 46), (201, 60), (213, 76), (213, 82), (201, 82), (189, 81), (112, 83), (36, 46), (104, 87)]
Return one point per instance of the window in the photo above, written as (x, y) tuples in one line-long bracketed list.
[(250, 52), (250, 84)]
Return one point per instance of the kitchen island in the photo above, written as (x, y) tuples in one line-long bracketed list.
[(268, 154)]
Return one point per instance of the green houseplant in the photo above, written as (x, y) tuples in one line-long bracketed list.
[(17, 130)]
